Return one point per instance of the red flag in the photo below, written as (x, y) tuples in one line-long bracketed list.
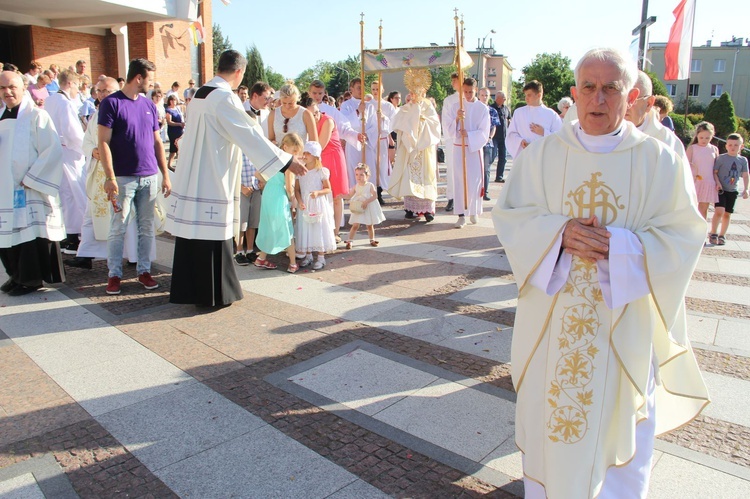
[(679, 46)]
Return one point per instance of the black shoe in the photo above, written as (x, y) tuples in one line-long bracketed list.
[(71, 248), (79, 262), (8, 286), (486, 198), (380, 196), (241, 259), (409, 214), (21, 290), (502, 180), (429, 217), (449, 206), (251, 257)]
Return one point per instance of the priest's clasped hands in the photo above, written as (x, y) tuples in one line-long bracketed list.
[(586, 238)]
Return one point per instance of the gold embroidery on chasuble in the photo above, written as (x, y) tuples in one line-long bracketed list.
[(99, 202), (416, 174), (581, 307)]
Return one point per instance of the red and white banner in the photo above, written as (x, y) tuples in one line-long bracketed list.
[(679, 49)]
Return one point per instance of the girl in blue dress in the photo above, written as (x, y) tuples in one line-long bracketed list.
[(275, 229)]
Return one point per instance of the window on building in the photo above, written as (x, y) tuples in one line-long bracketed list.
[(720, 65), (693, 90), (716, 90), (671, 89), (696, 65)]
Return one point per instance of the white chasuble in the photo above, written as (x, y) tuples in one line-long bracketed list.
[(580, 369)]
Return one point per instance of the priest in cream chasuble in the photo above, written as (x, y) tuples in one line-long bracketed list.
[(600, 358)]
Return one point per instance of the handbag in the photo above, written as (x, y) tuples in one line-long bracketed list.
[(314, 209), (356, 206)]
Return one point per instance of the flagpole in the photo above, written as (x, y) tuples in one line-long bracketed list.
[(362, 83), (380, 110), (460, 45), (690, 67)]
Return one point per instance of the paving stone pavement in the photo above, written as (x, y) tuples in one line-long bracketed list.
[(384, 374)]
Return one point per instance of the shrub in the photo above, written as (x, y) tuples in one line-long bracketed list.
[(695, 118), (656, 83), (720, 112), (684, 130)]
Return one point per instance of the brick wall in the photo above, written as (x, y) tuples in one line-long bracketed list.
[(64, 48)]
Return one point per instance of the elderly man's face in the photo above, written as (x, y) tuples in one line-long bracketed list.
[(636, 113), (601, 97), (11, 88), (500, 99), (243, 94)]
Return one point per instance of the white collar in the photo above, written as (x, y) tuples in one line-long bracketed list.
[(602, 143)]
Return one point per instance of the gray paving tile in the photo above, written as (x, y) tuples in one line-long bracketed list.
[(73, 350), (462, 420), (491, 292), (675, 477), (33, 316), (364, 381), (264, 464), (702, 329), (506, 458), (21, 487), (359, 490), (121, 382), (730, 398), (169, 428), (719, 292), (491, 344), (733, 335)]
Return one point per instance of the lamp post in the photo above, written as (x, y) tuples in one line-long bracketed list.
[(348, 78), (480, 59)]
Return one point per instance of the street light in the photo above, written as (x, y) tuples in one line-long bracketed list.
[(348, 78), (480, 59)]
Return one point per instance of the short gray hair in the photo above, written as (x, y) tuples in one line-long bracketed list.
[(625, 65), (644, 84), (564, 102)]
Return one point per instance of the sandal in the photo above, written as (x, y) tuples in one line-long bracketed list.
[(373, 242), (292, 268), (348, 245), (713, 238), (722, 241), (264, 264), (338, 238)]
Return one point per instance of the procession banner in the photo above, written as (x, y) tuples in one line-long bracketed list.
[(387, 60)]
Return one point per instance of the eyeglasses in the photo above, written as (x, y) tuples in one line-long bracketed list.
[(644, 97), (286, 123)]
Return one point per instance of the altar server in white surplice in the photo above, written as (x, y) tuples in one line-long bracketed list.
[(62, 107), (30, 176), (532, 121), (203, 212), (475, 128), (352, 110), (599, 225), (387, 113), (448, 139)]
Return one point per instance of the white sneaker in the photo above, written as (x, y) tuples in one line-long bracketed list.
[(306, 261), (460, 223), (473, 219), (319, 264)]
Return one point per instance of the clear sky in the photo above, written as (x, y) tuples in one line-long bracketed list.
[(293, 35)]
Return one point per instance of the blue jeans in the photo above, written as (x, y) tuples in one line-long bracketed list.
[(134, 194), (489, 157)]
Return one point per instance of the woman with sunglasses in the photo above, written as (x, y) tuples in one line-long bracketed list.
[(290, 117)]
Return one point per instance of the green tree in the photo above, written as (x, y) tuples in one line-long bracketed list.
[(441, 84), (221, 44), (720, 112), (255, 71), (276, 80), (553, 70), (659, 88)]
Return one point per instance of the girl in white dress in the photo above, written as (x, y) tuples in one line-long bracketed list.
[(363, 205), (315, 216)]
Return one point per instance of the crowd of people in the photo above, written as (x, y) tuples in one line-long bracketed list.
[(602, 219)]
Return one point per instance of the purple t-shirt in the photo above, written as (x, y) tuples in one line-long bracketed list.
[(133, 123)]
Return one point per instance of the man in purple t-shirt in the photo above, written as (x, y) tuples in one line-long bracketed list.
[(131, 153)]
